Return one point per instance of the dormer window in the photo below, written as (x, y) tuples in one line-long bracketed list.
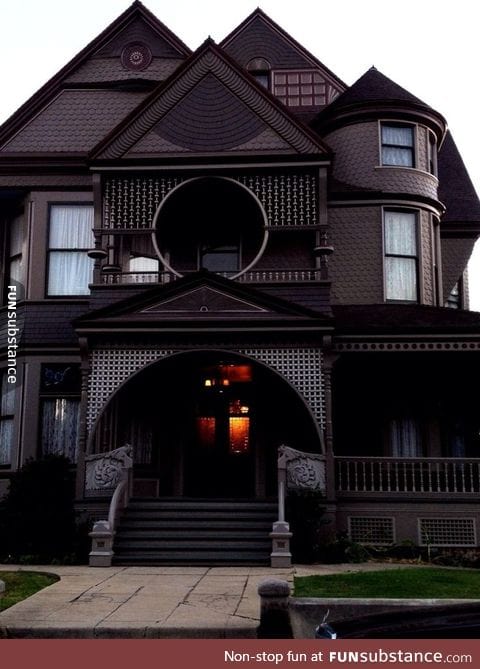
[(397, 145), (260, 69)]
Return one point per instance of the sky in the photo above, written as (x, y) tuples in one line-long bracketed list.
[(430, 47)]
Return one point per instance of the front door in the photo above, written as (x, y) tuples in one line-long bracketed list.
[(220, 458)]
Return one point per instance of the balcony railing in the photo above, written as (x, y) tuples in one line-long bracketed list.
[(402, 476), (254, 276)]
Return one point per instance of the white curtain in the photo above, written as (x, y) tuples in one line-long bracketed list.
[(400, 246), (405, 438), (60, 418), (397, 146), (70, 270)]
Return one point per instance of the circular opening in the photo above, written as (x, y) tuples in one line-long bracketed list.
[(211, 223)]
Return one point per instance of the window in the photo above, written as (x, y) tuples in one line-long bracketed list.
[(405, 438), (260, 69), (70, 270), (397, 145), (60, 410), (432, 153), (6, 420), (401, 262), (15, 273), (300, 89), (220, 258)]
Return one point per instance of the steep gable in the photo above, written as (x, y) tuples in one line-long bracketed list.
[(209, 105), (297, 78), (135, 48)]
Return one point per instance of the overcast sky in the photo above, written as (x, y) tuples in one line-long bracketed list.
[(430, 47)]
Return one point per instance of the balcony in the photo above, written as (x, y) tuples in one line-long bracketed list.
[(253, 276), (407, 477)]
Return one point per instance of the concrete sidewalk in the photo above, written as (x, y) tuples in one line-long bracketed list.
[(141, 602), (150, 602)]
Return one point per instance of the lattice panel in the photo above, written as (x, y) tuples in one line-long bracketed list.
[(288, 199), (131, 203), (302, 367), (447, 532), (109, 368), (374, 530)]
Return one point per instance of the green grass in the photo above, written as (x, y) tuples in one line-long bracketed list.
[(417, 582), (21, 584)]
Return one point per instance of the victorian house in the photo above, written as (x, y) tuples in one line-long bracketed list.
[(209, 255)]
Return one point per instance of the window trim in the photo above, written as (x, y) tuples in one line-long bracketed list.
[(412, 148), (416, 257), (7, 417)]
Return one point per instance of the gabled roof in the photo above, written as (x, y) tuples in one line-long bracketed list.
[(209, 105), (258, 36), (373, 91), (201, 300), (118, 33), (455, 187)]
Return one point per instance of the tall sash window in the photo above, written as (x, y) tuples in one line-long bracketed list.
[(401, 256), (70, 270)]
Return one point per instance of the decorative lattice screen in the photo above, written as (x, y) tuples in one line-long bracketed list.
[(375, 530), (447, 532), (109, 368)]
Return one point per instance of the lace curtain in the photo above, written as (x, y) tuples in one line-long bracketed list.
[(70, 269), (60, 419), (401, 256), (405, 438)]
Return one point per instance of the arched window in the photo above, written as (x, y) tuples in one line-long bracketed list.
[(260, 69)]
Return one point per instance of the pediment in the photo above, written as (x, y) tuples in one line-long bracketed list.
[(210, 106), (204, 301)]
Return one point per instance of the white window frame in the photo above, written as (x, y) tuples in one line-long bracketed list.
[(411, 148)]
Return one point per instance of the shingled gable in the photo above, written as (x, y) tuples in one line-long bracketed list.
[(135, 19), (259, 36), (210, 105), (204, 298)]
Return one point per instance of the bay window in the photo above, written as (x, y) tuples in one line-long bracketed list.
[(397, 145), (401, 256), (70, 270)]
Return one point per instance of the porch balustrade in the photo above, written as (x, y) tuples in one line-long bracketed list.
[(417, 476), (254, 276)]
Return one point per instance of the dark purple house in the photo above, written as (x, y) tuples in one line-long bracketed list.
[(206, 256)]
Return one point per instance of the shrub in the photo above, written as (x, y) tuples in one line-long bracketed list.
[(305, 511), (343, 549), (37, 518)]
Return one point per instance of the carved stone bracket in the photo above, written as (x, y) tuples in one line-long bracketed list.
[(105, 470), (304, 471)]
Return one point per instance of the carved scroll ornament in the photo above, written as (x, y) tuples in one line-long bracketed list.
[(104, 470), (304, 471)]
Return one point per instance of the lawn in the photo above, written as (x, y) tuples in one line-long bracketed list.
[(416, 582), (21, 584)]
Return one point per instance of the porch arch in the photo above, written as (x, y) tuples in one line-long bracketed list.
[(113, 368)]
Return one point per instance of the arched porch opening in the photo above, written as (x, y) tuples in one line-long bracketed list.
[(206, 424)]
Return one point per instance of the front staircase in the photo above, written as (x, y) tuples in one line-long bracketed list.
[(154, 531)]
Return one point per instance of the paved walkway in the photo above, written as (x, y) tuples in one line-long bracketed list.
[(149, 602)]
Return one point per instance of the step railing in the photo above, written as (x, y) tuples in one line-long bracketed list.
[(296, 470), (412, 476), (108, 474)]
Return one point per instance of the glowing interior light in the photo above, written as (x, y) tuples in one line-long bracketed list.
[(206, 430), (239, 429)]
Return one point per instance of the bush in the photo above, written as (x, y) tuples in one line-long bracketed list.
[(305, 511), (343, 549), (37, 518)]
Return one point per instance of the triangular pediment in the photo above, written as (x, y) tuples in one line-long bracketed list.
[(200, 299), (204, 301), (210, 106)]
